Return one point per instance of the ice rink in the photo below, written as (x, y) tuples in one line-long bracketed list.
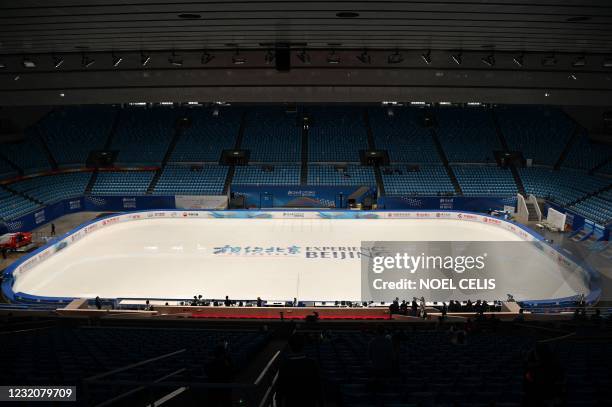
[(248, 258)]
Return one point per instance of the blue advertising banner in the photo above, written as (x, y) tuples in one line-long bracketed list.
[(459, 203), (302, 196)]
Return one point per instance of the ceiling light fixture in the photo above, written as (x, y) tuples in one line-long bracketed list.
[(426, 57), (237, 59), (28, 63), (206, 57), (395, 58), (87, 61), (57, 61), (519, 60), (489, 60), (116, 60), (457, 58), (175, 59), (364, 57), (333, 58), (144, 59)]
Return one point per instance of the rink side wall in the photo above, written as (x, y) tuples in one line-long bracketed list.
[(30, 261)]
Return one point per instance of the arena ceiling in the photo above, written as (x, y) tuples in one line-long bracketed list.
[(503, 51)]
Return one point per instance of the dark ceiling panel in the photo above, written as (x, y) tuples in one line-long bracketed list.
[(30, 26)]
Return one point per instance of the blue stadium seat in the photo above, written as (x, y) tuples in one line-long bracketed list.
[(272, 135), (72, 132), (340, 175), (482, 180), (428, 180), (52, 188), (403, 135), (281, 174), (336, 134), (122, 182), (467, 134), (185, 180), (208, 135), (541, 133)]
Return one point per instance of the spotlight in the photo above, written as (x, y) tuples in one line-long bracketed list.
[(333, 59), (426, 57), (519, 60), (237, 59), (87, 61), (489, 60), (175, 60), (2, 65), (144, 59), (457, 58), (395, 58), (549, 61), (269, 58), (116, 60), (572, 77), (579, 62), (304, 57), (607, 63), (28, 63), (206, 58), (57, 61), (364, 58)]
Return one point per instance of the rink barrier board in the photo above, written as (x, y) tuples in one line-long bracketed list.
[(27, 262)]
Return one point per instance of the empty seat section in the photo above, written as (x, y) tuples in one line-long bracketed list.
[(212, 130), (336, 134), (6, 171), (597, 208), (563, 186), (467, 134), (191, 180), (267, 175), (52, 188), (585, 153), (485, 180), (122, 182), (144, 134), (426, 180), (541, 133), (272, 135), (27, 153), (340, 175), (13, 206), (72, 132), (403, 135)]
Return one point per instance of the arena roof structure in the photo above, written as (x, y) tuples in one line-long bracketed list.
[(505, 51)]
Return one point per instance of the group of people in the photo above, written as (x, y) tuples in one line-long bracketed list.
[(416, 308)]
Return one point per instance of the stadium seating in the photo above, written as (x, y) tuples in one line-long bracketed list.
[(482, 180), (541, 133), (6, 171), (180, 179), (52, 188), (428, 180), (28, 153), (340, 175), (272, 135), (208, 135), (278, 174), (488, 368), (144, 134), (467, 135), (597, 208), (585, 154), (13, 206), (563, 187), (336, 134), (403, 135), (122, 182), (68, 355), (72, 132)]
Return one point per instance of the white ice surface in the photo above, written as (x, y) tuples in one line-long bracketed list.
[(173, 258)]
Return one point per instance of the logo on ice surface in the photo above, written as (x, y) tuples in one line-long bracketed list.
[(228, 250)]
